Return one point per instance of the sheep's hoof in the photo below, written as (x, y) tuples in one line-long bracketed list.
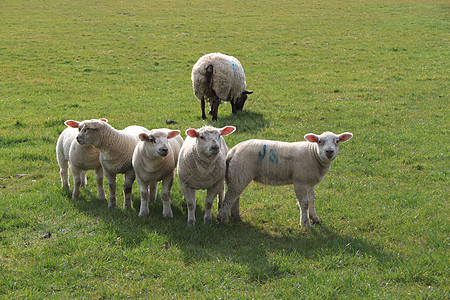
[(315, 221), (142, 213), (191, 223), (207, 220), (220, 220)]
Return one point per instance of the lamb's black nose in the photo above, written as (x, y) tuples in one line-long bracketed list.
[(329, 153), (214, 149), (163, 152)]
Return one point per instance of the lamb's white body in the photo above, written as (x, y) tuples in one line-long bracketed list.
[(303, 164), (201, 165), (116, 152), (219, 77), (81, 158), (154, 159)]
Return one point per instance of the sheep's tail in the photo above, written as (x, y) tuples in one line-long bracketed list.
[(209, 74)]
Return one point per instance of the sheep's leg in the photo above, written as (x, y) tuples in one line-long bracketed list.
[(233, 107), (165, 196), (64, 173), (111, 177), (202, 105), (189, 195), (153, 191), (77, 182), (210, 195), (83, 177), (312, 210), (127, 189), (215, 108), (144, 188), (100, 189), (302, 192)]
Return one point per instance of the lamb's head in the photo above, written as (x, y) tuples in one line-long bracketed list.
[(156, 141), (88, 130), (241, 100), (208, 138), (328, 143)]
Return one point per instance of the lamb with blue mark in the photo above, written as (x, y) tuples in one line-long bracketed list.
[(303, 164)]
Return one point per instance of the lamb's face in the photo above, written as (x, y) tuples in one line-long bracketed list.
[(328, 144), (209, 139), (155, 143), (208, 142), (89, 131)]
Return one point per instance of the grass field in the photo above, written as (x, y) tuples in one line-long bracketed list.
[(378, 69)]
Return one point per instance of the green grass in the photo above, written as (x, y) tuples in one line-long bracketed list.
[(376, 69)]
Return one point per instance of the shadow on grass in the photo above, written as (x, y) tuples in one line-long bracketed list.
[(244, 121), (235, 243)]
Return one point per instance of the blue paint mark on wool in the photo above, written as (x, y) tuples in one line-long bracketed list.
[(262, 154), (233, 63)]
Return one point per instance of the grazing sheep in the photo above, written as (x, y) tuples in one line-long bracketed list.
[(219, 77), (303, 164), (81, 158), (201, 165), (154, 159), (116, 152)]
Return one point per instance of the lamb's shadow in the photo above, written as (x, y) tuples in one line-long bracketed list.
[(239, 243)]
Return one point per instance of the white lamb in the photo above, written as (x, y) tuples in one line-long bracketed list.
[(154, 159), (303, 164), (201, 165), (81, 158), (116, 152), (219, 77)]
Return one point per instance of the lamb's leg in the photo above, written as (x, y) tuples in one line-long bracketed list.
[(77, 182), (189, 195), (221, 196), (100, 189), (153, 191), (64, 173), (312, 210), (144, 188), (127, 189), (111, 177), (302, 192), (165, 196), (83, 177), (202, 105), (210, 195), (235, 210), (233, 107)]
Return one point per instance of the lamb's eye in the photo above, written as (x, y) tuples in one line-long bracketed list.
[(152, 140), (202, 137), (337, 141)]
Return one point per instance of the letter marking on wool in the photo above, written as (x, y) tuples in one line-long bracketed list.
[(273, 156), (263, 154)]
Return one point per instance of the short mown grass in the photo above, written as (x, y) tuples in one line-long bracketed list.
[(376, 69)]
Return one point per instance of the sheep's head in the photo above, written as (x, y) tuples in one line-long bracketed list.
[(156, 141), (87, 130), (328, 143), (241, 101), (208, 138)]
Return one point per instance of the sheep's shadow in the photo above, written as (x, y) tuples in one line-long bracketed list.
[(240, 243), (244, 121)]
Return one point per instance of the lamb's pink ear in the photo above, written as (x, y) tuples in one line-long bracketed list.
[(173, 133), (103, 120), (311, 137), (71, 123), (192, 133), (143, 137), (343, 137), (227, 130)]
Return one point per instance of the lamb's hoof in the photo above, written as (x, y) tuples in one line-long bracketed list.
[(168, 215), (207, 220), (143, 213), (315, 221), (191, 223), (220, 219)]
